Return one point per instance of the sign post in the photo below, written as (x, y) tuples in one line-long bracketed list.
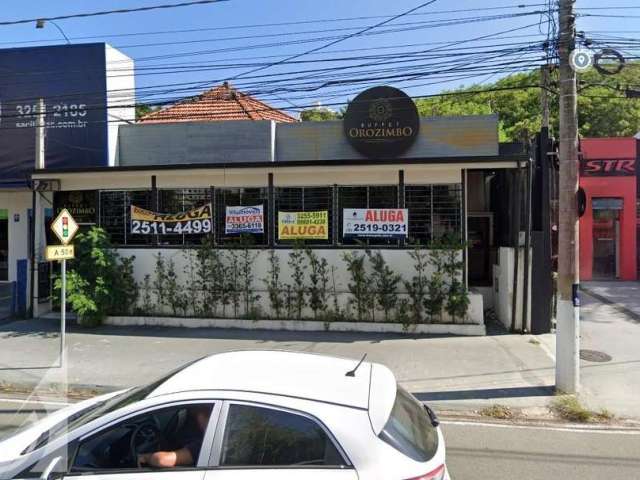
[(65, 228)]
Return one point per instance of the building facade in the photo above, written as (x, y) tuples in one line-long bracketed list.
[(86, 91), (609, 225), (452, 177)]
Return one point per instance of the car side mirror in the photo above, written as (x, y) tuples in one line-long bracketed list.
[(47, 473)]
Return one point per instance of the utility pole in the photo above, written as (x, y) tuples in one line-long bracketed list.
[(568, 313), (544, 95), (39, 164)]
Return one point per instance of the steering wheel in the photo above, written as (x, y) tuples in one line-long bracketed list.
[(145, 438)]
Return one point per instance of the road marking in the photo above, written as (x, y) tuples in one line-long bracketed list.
[(38, 402), (543, 427)]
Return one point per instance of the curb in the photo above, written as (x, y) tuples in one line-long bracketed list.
[(635, 317), (447, 415), (82, 390)]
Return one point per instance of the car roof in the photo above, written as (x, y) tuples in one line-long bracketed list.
[(293, 374)]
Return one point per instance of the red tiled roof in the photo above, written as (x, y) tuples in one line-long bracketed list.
[(219, 103)]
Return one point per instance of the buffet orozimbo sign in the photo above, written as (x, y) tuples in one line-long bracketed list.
[(381, 122)]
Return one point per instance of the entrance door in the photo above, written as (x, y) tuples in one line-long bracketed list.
[(4, 244), (606, 237), (479, 252)]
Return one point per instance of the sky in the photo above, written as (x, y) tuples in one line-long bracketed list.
[(433, 49)]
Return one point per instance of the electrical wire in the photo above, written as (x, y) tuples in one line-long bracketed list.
[(111, 12)]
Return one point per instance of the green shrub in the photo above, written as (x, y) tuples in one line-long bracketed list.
[(318, 290), (384, 283), (359, 286), (99, 281), (417, 286), (274, 285)]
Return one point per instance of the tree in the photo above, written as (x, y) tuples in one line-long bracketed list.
[(603, 111), (319, 114), (143, 109)]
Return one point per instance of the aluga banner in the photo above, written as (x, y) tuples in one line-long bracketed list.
[(196, 221), (303, 225), (244, 220), (375, 222)]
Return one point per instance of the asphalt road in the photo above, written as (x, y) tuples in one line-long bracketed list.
[(484, 451)]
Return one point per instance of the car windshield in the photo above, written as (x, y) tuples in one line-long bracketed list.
[(97, 410), (409, 428)]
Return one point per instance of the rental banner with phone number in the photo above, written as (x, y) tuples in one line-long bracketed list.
[(196, 221), (303, 225), (375, 222)]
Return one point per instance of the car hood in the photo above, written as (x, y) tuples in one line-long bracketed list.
[(12, 447)]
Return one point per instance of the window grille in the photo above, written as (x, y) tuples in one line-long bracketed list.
[(434, 211), (305, 199), (383, 196), (181, 200), (233, 197)]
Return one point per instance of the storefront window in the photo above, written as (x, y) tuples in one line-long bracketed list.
[(306, 199), (177, 201), (383, 196), (434, 211), (236, 197), (113, 215)]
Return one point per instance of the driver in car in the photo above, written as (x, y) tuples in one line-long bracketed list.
[(190, 438)]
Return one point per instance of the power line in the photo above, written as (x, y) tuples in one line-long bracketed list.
[(111, 12), (303, 107), (342, 39)]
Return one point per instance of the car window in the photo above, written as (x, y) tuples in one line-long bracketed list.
[(160, 432), (99, 409), (256, 436), (409, 428)]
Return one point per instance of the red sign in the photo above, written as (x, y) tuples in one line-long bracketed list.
[(608, 167)]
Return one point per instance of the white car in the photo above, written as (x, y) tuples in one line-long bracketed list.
[(267, 415)]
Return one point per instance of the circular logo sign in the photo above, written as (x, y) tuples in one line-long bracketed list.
[(581, 60), (381, 121)]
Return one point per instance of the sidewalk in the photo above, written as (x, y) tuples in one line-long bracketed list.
[(609, 328), (624, 296), (450, 372)]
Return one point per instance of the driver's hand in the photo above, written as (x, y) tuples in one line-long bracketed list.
[(143, 459)]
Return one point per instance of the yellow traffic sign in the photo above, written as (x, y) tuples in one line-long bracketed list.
[(64, 226), (59, 252)]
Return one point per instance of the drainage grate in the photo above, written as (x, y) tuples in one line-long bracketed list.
[(594, 356)]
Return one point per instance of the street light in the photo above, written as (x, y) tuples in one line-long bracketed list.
[(40, 23)]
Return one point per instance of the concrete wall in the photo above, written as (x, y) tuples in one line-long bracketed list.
[(503, 288), (265, 141), (399, 261), (196, 142), (18, 204), (121, 96), (438, 137)]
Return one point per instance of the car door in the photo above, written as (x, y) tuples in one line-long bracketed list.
[(255, 441), (107, 454)]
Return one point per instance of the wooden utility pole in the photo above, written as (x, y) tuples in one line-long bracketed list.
[(568, 312)]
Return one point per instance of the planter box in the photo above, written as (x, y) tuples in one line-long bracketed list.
[(300, 325)]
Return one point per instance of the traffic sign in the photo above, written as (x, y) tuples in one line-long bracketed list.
[(64, 226), (59, 252)]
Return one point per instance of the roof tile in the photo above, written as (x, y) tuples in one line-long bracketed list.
[(218, 104)]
